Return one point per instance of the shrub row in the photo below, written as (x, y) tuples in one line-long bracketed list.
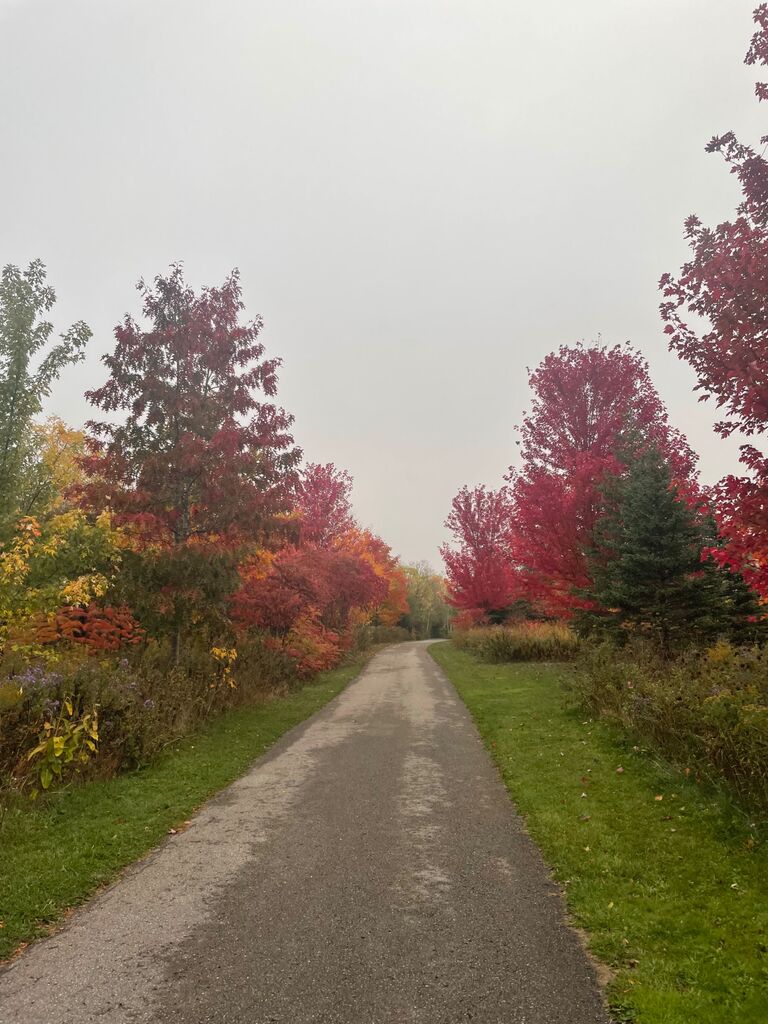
[(525, 641), (79, 716), (706, 712)]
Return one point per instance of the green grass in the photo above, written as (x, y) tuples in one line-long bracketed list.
[(672, 892), (55, 854)]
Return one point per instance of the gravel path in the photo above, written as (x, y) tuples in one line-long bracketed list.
[(369, 870)]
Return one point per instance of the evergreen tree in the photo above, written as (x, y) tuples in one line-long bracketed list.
[(648, 575), (738, 615)]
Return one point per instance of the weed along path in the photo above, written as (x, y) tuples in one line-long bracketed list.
[(369, 869)]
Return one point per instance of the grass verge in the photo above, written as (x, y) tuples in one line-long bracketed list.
[(671, 891), (55, 854)]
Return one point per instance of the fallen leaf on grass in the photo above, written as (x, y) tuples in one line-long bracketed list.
[(658, 797)]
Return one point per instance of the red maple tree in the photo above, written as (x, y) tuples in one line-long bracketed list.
[(725, 286), (195, 461), (330, 582), (197, 452), (591, 405), (481, 575), (369, 547), (323, 503), (589, 400)]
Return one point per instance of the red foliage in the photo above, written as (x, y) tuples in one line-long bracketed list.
[(201, 474), (99, 629), (312, 647), (332, 582), (271, 600), (196, 454), (741, 505), (395, 604), (591, 405), (554, 519), (469, 618), (323, 503), (591, 400), (725, 284), (391, 600), (352, 582), (309, 597), (482, 579)]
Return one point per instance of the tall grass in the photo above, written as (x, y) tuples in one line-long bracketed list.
[(706, 712), (525, 641)]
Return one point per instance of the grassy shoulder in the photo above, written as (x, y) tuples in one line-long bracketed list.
[(671, 892), (53, 855)]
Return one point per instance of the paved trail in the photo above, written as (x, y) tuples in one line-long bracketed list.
[(369, 870)]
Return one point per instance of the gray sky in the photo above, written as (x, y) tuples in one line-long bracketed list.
[(423, 199)]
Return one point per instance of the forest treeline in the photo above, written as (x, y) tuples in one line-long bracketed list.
[(177, 556)]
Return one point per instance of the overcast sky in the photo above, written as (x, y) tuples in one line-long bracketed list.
[(423, 197)]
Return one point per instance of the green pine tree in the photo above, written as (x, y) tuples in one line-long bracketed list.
[(648, 576), (737, 613)]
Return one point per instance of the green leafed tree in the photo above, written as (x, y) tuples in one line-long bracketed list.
[(30, 362), (428, 611), (649, 577)]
